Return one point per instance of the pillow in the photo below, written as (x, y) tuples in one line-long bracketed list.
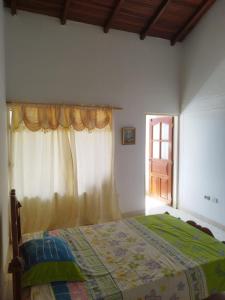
[(48, 260)]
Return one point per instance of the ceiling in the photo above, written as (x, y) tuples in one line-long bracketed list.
[(168, 19)]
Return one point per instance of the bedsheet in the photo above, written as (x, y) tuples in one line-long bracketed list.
[(151, 258)]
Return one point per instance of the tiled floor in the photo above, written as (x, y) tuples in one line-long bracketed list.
[(154, 206)]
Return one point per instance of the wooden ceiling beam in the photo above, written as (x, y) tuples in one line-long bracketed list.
[(154, 18), (111, 18), (181, 34), (65, 11), (13, 7)]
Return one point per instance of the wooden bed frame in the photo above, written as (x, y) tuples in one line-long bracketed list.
[(16, 264)]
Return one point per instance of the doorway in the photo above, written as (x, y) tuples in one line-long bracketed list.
[(161, 159)]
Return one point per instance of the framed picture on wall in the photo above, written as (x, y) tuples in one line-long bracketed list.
[(128, 135)]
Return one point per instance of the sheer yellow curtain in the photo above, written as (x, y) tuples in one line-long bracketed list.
[(62, 165)]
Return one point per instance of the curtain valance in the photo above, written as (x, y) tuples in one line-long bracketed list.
[(51, 117)]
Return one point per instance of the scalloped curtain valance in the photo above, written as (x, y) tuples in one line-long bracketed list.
[(51, 117)]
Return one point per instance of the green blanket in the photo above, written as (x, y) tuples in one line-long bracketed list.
[(206, 251)]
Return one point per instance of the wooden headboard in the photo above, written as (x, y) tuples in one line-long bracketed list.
[(16, 264)]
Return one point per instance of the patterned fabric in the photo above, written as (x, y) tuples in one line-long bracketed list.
[(47, 260), (47, 249), (149, 258), (201, 248)]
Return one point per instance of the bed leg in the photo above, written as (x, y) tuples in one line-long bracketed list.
[(16, 267)]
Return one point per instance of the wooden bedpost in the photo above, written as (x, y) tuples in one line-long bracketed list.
[(16, 264)]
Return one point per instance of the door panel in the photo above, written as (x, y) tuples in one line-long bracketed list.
[(164, 188), (161, 155), (155, 186)]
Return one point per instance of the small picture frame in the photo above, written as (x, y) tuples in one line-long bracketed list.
[(128, 135)]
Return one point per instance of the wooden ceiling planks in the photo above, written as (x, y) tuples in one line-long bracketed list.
[(160, 10), (50, 7), (168, 19), (90, 12), (183, 32), (113, 15)]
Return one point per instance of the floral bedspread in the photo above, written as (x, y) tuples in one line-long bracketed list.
[(150, 258)]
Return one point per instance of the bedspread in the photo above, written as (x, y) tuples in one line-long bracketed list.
[(152, 258)]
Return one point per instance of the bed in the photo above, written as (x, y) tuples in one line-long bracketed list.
[(152, 258)]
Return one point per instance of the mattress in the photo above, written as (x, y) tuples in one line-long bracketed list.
[(153, 257)]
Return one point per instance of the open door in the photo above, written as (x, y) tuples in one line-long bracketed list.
[(161, 158)]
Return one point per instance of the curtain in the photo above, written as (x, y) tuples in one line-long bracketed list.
[(63, 177), (50, 117)]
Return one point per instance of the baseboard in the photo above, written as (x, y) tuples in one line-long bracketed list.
[(133, 213), (203, 218)]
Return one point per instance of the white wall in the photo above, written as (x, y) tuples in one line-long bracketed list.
[(202, 164), (78, 63), (3, 162)]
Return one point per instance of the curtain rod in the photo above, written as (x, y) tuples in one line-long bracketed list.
[(65, 104)]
